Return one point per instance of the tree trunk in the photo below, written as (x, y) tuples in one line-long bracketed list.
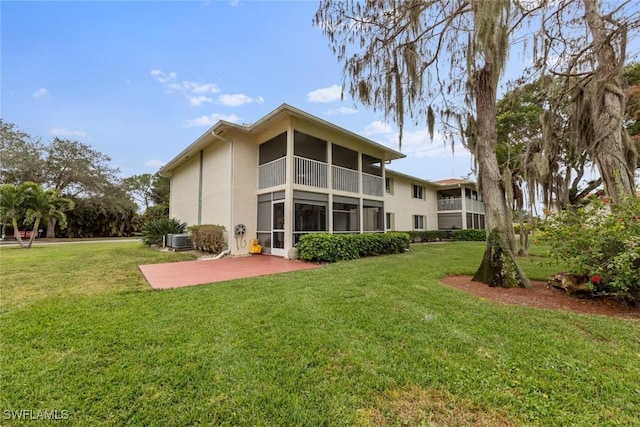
[(524, 236), (51, 228), (34, 232), (498, 267), (611, 150), (16, 233)]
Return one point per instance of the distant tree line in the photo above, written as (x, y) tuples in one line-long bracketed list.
[(104, 205)]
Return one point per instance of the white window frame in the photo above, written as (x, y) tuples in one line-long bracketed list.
[(389, 221), (388, 185), (413, 191)]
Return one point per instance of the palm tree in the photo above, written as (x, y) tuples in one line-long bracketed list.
[(12, 200), (31, 202), (45, 204)]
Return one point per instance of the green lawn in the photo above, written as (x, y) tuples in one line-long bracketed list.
[(376, 341)]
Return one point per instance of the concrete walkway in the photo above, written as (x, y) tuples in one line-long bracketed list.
[(189, 273)]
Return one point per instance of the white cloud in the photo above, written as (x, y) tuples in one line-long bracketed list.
[(163, 77), (341, 110), (234, 3), (67, 132), (154, 163), (42, 92), (327, 94), (194, 92), (238, 99), (210, 120), (377, 128), (199, 100), (418, 143), (198, 88)]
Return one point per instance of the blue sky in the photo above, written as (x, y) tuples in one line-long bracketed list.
[(139, 81)]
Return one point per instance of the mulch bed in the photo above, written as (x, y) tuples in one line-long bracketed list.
[(541, 295)]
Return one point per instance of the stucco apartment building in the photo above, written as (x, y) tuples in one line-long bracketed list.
[(291, 173)]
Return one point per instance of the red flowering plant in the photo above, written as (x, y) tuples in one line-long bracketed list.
[(600, 241)]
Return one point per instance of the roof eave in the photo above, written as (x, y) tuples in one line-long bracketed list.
[(389, 153), (197, 145)]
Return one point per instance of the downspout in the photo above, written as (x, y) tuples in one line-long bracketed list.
[(200, 188), (228, 251)]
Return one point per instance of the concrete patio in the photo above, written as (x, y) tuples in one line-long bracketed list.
[(190, 273)]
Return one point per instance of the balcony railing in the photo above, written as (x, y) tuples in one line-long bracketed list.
[(450, 204), (372, 185), (313, 173), (475, 206), (344, 179), (309, 172), (272, 174)]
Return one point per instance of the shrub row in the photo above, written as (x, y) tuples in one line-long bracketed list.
[(425, 236), (339, 247), (469, 235), (208, 237)]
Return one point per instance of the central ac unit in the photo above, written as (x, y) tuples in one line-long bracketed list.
[(178, 241)]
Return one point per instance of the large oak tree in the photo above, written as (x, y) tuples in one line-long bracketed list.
[(585, 42), (418, 58)]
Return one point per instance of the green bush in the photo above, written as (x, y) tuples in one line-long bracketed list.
[(101, 217), (208, 237), (155, 212), (602, 242), (323, 247), (424, 236), (154, 231), (469, 235)]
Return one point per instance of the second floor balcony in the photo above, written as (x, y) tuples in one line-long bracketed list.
[(314, 173), (456, 204)]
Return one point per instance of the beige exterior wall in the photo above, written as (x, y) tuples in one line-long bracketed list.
[(217, 186), (245, 186), (403, 206), (184, 192), (431, 200), (216, 169)]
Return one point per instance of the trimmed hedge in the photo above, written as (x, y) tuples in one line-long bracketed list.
[(469, 235), (425, 236), (207, 237), (322, 247)]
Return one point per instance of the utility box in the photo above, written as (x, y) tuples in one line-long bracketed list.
[(178, 241)]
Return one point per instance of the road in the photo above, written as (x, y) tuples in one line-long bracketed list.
[(38, 242)]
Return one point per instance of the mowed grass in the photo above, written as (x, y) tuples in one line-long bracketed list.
[(61, 270), (377, 341)]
